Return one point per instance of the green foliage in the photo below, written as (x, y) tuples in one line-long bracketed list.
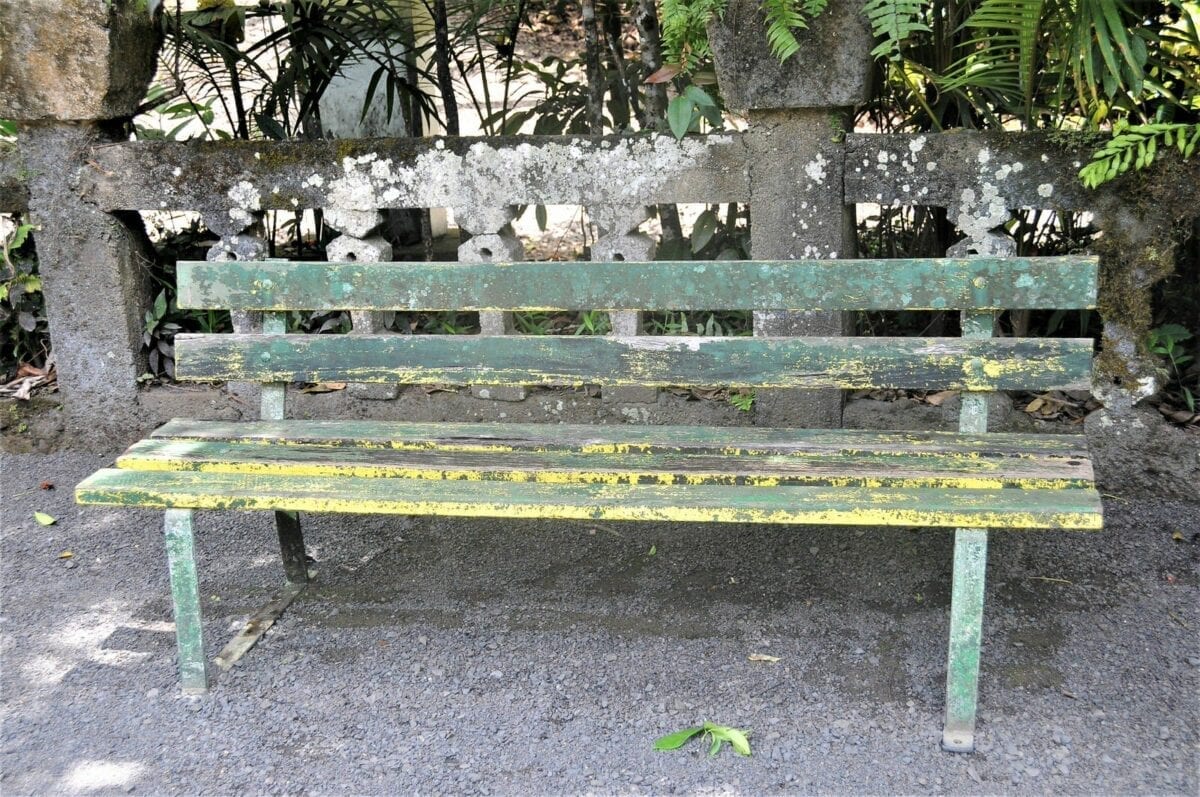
[(1133, 147), (894, 22), (1167, 342), (685, 112), (1044, 63), (271, 87), (23, 334), (712, 734), (1002, 55), (685, 27), (742, 399)]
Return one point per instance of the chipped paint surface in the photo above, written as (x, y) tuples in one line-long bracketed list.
[(185, 593), (918, 283), (955, 465), (811, 362), (1066, 509)]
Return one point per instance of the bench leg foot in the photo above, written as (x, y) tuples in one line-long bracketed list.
[(185, 592), (966, 623), (291, 545)]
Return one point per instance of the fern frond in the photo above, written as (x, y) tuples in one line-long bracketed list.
[(1134, 147), (783, 17), (894, 21)]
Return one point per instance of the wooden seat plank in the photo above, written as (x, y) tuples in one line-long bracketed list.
[(621, 438), (957, 468), (925, 507)]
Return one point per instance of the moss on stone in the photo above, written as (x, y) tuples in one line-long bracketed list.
[(1142, 224)]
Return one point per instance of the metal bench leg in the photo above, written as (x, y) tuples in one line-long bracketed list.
[(966, 621), (291, 545), (185, 591)]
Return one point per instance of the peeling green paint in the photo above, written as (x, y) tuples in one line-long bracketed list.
[(851, 363), (933, 283)]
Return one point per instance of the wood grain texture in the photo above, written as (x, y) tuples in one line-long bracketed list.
[(954, 467), (903, 284), (850, 363), (922, 507), (619, 438)]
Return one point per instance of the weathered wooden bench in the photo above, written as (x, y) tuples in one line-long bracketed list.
[(969, 481)]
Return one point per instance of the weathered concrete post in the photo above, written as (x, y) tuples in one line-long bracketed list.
[(70, 72), (492, 240), (361, 242), (798, 113), (241, 238), (619, 239)]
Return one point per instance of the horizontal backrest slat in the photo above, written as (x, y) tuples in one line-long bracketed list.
[(852, 363), (979, 283)]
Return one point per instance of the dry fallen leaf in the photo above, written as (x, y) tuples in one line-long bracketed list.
[(937, 399), (43, 519), (46, 486), (763, 657), (323, 387), (1177, 536), (66, 555), (665, 74)]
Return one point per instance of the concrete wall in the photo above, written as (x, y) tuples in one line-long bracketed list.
[(794, 165)]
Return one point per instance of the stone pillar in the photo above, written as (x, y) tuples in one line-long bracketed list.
[(618, 239), (70, 72), (361, 242), (798, 113), (492, 240)]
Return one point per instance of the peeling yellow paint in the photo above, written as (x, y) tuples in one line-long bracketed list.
[(164, 463)]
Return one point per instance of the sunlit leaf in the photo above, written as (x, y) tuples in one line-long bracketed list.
[(673, 741)]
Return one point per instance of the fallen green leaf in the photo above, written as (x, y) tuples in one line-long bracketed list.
[(43, 519), (653, 550), (715, 734), (673, 741), (736, 738)]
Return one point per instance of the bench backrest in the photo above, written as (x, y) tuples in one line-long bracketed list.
[(975, 362)]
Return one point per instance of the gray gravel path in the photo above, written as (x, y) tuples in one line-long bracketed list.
[(455, 656)]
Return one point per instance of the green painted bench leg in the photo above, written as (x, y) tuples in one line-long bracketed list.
[(291, 545), (966, 621), (185, 590)]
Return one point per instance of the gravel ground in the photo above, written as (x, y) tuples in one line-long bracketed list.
[(463, 656)]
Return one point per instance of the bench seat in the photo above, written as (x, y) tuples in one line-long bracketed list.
[(678, 473)]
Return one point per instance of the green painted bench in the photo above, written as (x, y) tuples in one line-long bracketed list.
[(967, 480)]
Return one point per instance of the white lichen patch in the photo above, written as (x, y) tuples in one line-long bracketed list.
[(815, 169), (244, 198), (1045, 190), (916, 144), (486, 176)]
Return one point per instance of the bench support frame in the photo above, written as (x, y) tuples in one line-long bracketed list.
[(185, 592), (966, 632), (967, 584)]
